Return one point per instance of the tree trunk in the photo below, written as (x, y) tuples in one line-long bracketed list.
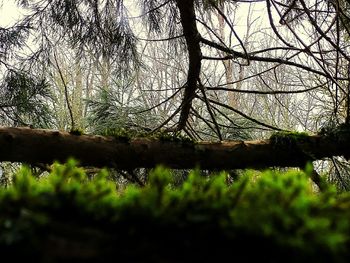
[(192, 37)]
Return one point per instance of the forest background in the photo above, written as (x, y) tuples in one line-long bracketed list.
[(219, 86), (228, 72)]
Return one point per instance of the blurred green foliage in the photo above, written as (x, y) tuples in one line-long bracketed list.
[(276, 216)]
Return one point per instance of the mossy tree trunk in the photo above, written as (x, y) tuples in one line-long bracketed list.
[(45, 146)]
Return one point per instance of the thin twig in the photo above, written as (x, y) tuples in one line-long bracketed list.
[(65, 91)]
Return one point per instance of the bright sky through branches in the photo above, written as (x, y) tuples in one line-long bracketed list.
[(9, 13)]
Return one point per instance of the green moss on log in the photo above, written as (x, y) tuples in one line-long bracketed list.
[(126, 135), (288, 139), (77, 132), (68, 217)]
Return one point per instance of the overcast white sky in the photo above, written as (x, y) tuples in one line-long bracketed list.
[(9, 13)]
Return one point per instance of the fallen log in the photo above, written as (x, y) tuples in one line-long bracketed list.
[(46, 146)]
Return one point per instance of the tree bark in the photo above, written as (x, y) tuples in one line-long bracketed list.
[(45, 146), (192, 37)]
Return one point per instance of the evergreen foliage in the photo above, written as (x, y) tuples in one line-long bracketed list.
[(108, 112), (24, 100), (277, 216)]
